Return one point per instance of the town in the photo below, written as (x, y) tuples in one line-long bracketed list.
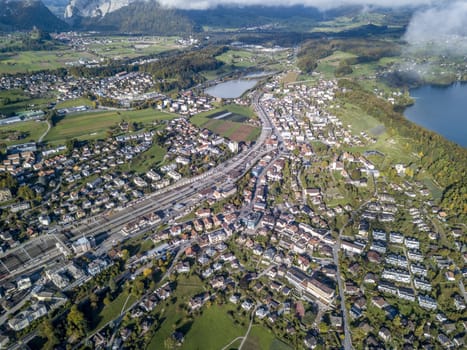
[(287, 214)]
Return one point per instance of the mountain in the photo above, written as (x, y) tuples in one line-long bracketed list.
[(26, 14), (149, 17), (94, 8), (138, 17), (57, 7), (252, 16)]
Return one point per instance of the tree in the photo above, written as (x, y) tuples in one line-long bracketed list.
[(419, 330), (46, 330), (8, 181), (138, 288), (169, 343), (76, 323), (309, 318), (107, 299), (125, 254), (112, 285), (147, 272), (397, 321), (26, 193), (152, 285), (93, 299), (71, 145)]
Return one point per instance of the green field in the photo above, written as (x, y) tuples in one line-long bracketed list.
[(169, 314), (98, 48), (119, 47), (75, 103), (343, 23), (336, 58), (93, 125), (241, 58), (238, 58), (32, 129), (12, 101), (152, 158), (259, 338), (393, 146), (226, 128), (213, 328), (28, 61), (235, 131), (262, 338), (114, 309)]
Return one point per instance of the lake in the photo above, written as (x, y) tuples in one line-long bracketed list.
[(231, 88), (442, 110)]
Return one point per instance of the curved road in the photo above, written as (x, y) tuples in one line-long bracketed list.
[(45, 133), (245, 337)]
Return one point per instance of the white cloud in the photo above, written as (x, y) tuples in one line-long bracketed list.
[(322, 4), (438, 23)]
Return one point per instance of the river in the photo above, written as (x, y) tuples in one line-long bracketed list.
[(442, 110)]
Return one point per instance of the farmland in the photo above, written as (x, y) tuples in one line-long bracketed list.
[(93, 49), (232, 126)]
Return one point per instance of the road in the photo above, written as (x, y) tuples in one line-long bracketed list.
[(245, 337), (232, 342), (462, 289), (181, 191), (45, 133), (164, 199), (124, 311), (335, 255), (340, 283), (178, 193)]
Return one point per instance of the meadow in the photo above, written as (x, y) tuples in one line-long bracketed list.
[(15, 100), (94, 125), (212, 327), (31, 131), (96, 48)]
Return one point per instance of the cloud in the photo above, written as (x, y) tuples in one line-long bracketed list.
[(322, 4), (438, 24)]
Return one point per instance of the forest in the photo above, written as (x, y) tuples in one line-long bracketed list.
[(181, 72), (365, 49), (171, 72)]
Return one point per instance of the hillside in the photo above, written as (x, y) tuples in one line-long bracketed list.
[(140, 17), (26, 14)]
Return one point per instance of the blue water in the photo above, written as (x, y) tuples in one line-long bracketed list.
[(442, 110), (231, 89)]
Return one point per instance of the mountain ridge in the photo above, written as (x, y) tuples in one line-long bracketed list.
[(27, 14)]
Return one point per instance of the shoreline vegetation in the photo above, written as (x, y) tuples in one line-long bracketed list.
[(447, 162)]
